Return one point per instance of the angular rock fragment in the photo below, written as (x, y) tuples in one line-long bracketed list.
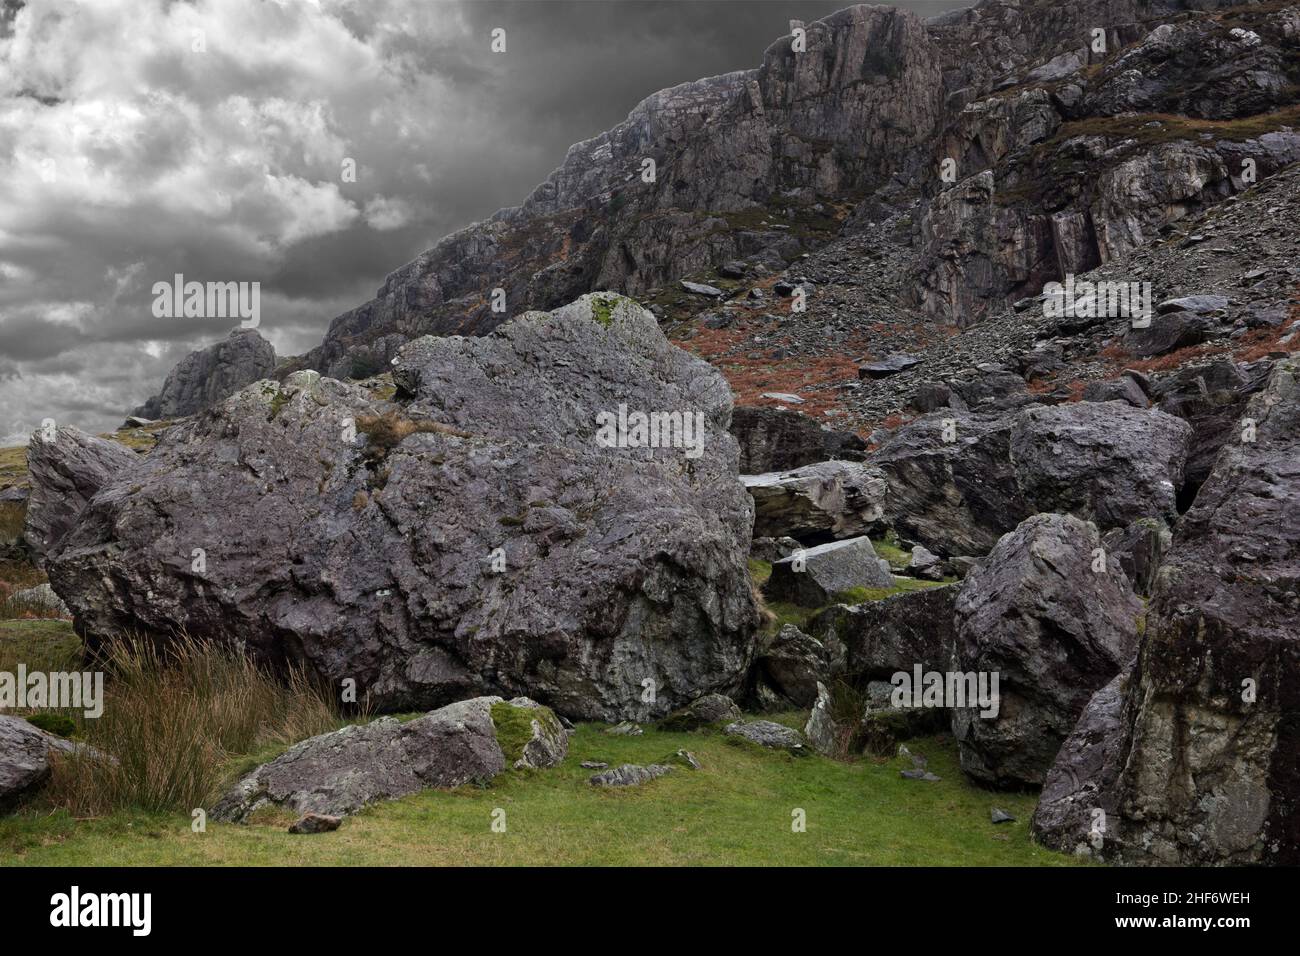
[(838, 499), (816, 576)]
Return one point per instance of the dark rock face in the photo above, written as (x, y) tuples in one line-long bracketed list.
[(1139, 549), (814, 576), (1055, 629), (792, 664), (65, 474), (882, 638), (1212, 399), (1077, 804), (25, 758), (478, 537), (337, 774), (955, 497), (776, 439), (1210, 726), (958, 482), (831, 499), (1102, 460), (1035, 199), (210, 375)]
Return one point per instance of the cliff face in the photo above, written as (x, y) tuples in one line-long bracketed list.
[(834, 121), (1052, 171)]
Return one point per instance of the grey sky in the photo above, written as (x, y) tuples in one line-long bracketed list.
[(127, 155)]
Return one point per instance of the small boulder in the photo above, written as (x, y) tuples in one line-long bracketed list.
[(25, 758), (792, 664), (315, 823), (699, 288), (768, 734), (338, 773), (814, 577), (629, 775), (701, 712)]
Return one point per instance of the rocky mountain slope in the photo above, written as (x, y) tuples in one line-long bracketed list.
[(1117, 489), (1006, 144)]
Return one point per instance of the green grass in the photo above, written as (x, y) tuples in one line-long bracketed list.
[(736, 810), (13, 466), (41, 645)]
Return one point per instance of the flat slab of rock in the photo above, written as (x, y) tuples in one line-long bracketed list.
[(815, 576), (25, 758), (338, 773), (1201, 304), (629, 775), (767, 733), (840, 498), (890, 365), (699, 288)]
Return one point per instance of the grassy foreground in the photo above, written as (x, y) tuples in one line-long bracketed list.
[(736, 810)]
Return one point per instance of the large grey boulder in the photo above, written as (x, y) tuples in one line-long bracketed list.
[(209, 375), (66, 472), (1102, 461), (490, 531), (840, 499), (25, 758), (339, 773), (815, 576), (1055, 623), (778, 439), (959, 482), (1207, 727)]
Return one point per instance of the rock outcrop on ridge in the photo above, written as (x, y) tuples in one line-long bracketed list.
[(210, 375)]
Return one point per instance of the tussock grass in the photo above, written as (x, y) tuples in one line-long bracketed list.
[(387, 430), (173, 719), (12, 516)]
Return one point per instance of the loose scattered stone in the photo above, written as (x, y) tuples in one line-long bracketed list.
[(766, 733), (625, 729), (315, 823), (629, 775)]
